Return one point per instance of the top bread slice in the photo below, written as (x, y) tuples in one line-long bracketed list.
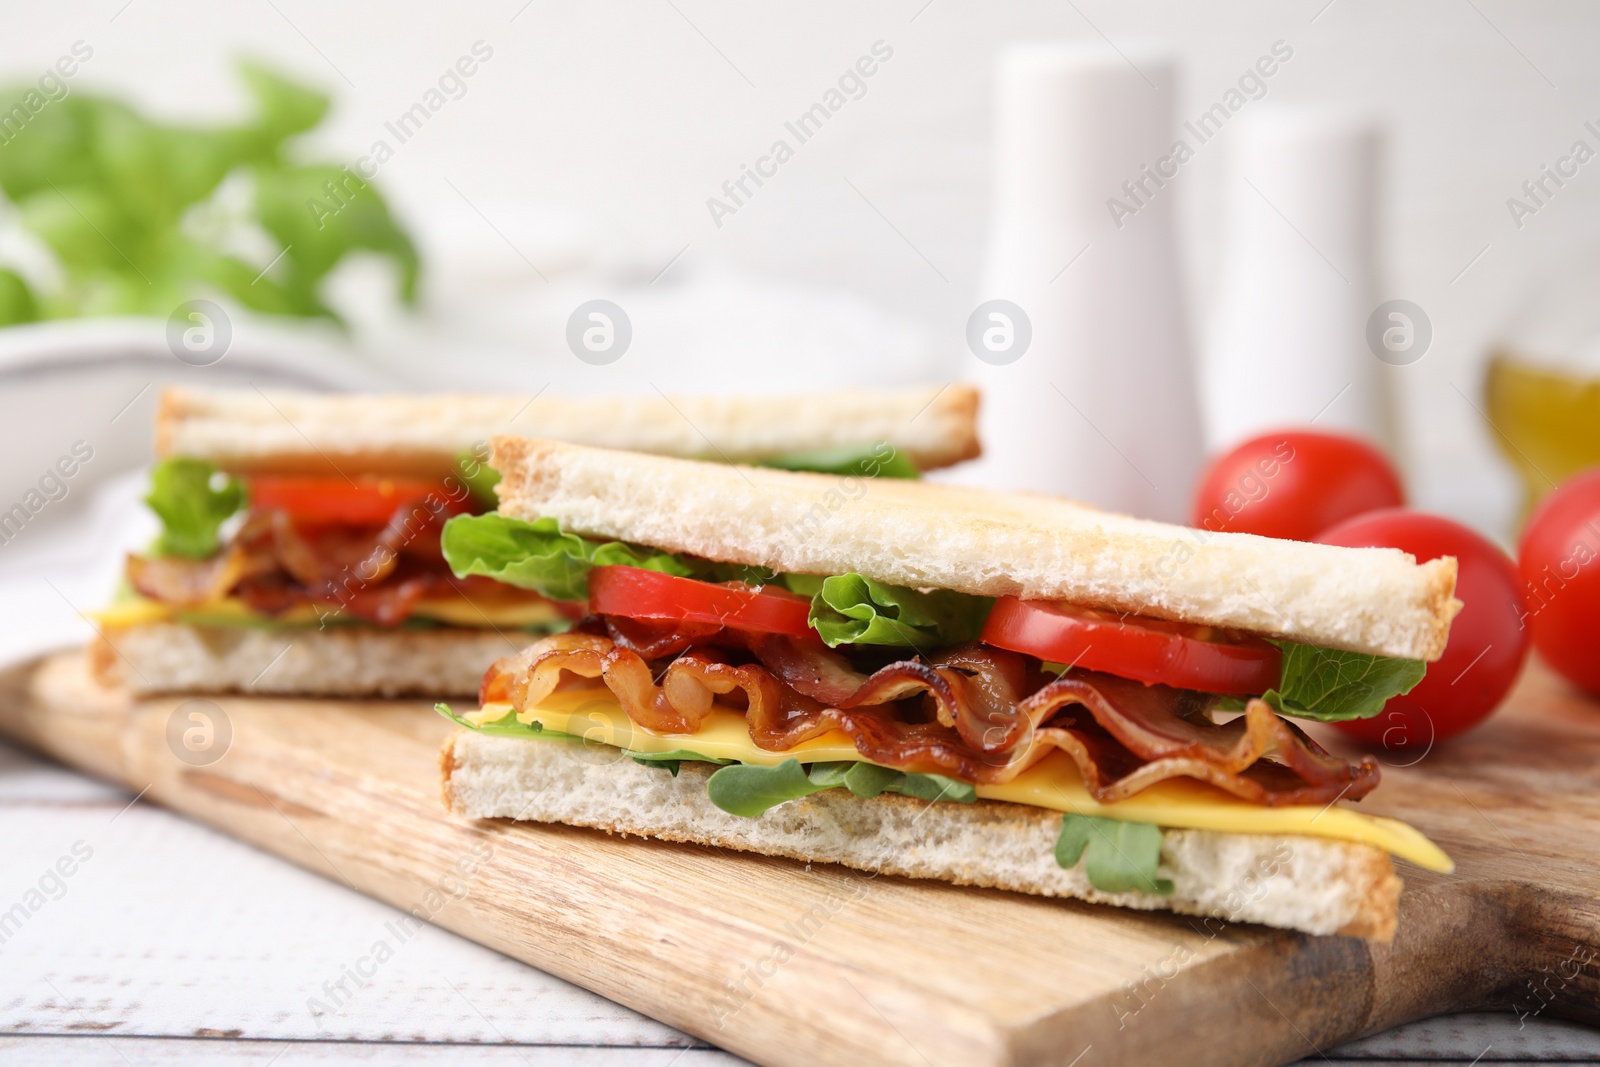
[(1374, 600), (249, 430)]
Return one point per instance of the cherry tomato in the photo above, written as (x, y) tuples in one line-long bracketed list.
[(636, 593), (1487, 643), (364, 501), (1294, 484), (1146, 650), (1560, 562)]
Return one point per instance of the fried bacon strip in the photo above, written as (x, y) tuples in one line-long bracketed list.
[(273, 564), (962, 714)]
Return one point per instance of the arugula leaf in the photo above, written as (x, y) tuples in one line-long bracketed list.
[(669, 761), (508, 726), (1331, 686), (854, 609), (749, 789), (192, 506), (877, 460), (1118, 856), (537, 555)]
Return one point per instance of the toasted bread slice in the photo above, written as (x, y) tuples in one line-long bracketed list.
[(358, 661), (1374, 600), (247, 430), (1315, 885)]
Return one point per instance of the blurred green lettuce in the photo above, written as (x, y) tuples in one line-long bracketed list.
[(112, 193)]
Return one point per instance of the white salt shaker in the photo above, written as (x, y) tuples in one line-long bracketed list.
[(1288, 344), (1081, 344)]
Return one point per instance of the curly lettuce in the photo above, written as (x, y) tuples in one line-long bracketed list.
[(851, 609), (193, 500)]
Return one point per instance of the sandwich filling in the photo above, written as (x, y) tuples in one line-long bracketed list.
[(940, 694), (280, 550)]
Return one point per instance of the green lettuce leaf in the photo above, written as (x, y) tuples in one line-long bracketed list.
[(480, 479), (1118, 856), (508, 726), (748, 789), (193, 502), (851, 609), (669, 761), (1330, 686), (537, 555), (877, 460)]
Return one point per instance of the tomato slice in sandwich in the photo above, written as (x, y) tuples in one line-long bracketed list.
[(1178, 654), (344, 501), (636, 593)]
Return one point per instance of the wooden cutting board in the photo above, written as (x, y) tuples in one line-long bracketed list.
[(787, 964)]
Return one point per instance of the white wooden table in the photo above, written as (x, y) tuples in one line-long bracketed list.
[(170, 943)]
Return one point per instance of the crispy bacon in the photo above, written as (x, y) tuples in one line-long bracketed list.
[(173, 580), (961, 714), (273, 564)]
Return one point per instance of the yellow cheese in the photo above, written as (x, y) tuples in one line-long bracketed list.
[(591, 712), (454, 611)]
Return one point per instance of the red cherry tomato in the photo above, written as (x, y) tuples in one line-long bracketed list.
[(1560, 562), (636, 593), (364, 501), (1487, 640), (1294, 484), (1146, 650)]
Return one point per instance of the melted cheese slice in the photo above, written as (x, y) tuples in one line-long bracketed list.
[(456, 611), (592, 713)]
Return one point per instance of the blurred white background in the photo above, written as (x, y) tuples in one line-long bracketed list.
[(585, 149)]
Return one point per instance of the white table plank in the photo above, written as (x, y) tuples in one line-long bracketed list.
[(162, 1052), (166, 928)]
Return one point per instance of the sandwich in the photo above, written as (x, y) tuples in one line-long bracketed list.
[(299, 547), (992, 689)]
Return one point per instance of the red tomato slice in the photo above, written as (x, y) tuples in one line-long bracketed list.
[(358, 502), (636, 593), (1146, 650)]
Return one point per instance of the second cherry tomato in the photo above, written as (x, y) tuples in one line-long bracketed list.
[(1560, 561), (1488, 642), (1294, 484)]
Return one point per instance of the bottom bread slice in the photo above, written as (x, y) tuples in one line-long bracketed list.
[(171, 657), (1311, 884)]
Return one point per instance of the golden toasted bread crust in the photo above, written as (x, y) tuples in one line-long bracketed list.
[(1374, 600), (423, 435)]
